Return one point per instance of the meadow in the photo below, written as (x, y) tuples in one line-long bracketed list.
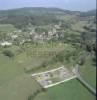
[(71, 90), (14, 82), (88, 72), (7, 28)]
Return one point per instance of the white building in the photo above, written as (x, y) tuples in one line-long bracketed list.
[(14, 36), (5, 43)]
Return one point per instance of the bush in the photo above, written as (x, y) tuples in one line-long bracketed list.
[(60, 57), (82, 61), (8, 53), (44, 64)]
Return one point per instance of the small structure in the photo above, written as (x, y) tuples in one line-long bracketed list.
[(14, 36), (5, 43)]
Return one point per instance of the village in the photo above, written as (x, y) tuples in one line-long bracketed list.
[(19, 37)]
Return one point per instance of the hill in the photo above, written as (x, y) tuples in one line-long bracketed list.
[(24, 16), (36, 10), (89, 13)]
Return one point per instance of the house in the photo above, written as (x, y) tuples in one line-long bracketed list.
[(5, 43), (14, 36)]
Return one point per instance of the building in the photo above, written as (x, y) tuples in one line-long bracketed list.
[(5, 43)]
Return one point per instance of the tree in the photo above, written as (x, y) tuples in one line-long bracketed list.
[(88, 48)]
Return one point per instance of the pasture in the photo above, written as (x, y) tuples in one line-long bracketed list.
[(6, 28), (71, 90), (14, 82)]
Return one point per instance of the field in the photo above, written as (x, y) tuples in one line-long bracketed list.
[(88, 72), (19, 88), (71, 90), (14, 82), (7, 28)]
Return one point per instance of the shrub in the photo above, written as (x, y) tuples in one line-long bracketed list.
[(44, 64), (8, 53), (60, 57)]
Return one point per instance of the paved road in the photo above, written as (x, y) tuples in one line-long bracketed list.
[(77, 72)]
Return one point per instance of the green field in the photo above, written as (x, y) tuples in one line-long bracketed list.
[(19, 88), (79, 26), (16, 84), (7, 28), (24, 59), (71, 90), (88, 72)]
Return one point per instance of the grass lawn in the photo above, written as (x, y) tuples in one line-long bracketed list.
[(71, 90)]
